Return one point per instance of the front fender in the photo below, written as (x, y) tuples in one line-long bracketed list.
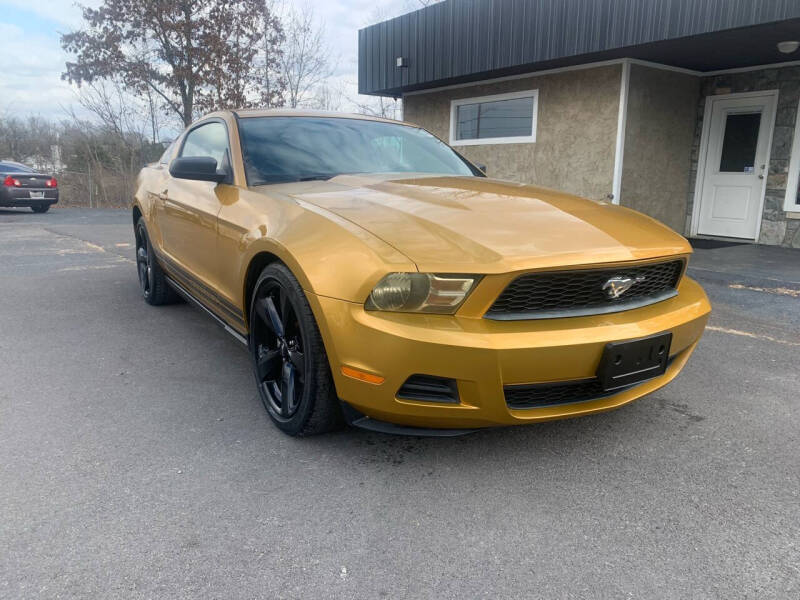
[(147, 181), (330, 256)]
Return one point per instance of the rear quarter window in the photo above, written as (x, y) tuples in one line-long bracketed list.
[(168, 153), (11, 168)]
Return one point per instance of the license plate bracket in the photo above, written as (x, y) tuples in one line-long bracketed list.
[(633, 361), (37, 195)]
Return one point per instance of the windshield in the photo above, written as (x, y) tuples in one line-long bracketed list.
[(282, 149)]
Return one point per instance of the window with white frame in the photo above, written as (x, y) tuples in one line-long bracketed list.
[(792, 201), (498, 119)]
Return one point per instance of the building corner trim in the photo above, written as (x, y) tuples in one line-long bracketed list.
[(790, 204), (622, 118)]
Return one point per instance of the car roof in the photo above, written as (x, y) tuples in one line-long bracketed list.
[(298, 112)]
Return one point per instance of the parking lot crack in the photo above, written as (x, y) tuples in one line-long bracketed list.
[(781, 291), (766, 338), (91, 245)]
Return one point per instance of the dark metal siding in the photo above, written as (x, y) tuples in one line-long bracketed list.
[(462, 39)]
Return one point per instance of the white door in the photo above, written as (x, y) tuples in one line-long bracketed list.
[(733, 182)]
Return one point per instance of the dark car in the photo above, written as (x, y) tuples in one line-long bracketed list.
[(22, 186)]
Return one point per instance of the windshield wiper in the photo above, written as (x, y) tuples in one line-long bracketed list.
[(318, 177)]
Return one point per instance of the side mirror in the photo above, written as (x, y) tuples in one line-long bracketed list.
[(198, 168), (481, 167)]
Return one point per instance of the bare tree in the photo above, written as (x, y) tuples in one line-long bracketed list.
[(104, 142), (304, 63), (378, 106), (191, 54), (114, 142), (273, 83), (29, 140), (113, 108), (153, 114), (328, 96)]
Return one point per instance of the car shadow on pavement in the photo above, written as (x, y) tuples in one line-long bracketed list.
[(629, 430)]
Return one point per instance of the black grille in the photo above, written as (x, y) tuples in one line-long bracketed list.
[(548, 394), (572, 293), (429, 389), (537, 395)]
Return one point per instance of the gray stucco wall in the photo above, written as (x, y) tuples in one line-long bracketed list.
[(576, 130), (776, 227), (658, 143), (576, 137)]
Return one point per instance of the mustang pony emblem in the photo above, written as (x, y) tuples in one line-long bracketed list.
[(616, 286)]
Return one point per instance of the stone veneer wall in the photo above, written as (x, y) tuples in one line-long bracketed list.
[(776, 227), (658, 143), (576, 129)]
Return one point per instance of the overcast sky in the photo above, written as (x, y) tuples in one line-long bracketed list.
[(31, 59)]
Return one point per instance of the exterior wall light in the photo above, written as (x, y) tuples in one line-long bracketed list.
[(402, 62)]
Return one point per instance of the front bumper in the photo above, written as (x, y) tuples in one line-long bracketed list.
[(10, 196), (484, 355)]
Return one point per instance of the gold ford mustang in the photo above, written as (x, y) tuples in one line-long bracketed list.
[(379, 278)]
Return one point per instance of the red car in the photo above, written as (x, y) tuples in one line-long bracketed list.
[(22, 186)]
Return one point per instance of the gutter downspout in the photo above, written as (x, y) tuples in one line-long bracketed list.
[(622, 118)]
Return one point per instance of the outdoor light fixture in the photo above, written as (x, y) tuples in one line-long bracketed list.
[(402, 62), (788, 47)]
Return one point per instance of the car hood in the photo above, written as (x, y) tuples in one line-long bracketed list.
[(462, 224)]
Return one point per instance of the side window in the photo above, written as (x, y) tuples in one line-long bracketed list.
[(211, 140), (499, 119)]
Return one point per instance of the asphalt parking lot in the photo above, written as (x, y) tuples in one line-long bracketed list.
[(136, 460)]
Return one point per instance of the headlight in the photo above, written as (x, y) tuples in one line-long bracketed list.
[(421, 292)]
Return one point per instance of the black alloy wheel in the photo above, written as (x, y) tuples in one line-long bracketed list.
[(152, 280), (280, 358), (143, 265), (289, 359)]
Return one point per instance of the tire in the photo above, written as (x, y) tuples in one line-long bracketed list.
[(152, 281), (40, 208), (286, 346)]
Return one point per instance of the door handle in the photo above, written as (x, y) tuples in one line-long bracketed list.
[(163, 195)]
